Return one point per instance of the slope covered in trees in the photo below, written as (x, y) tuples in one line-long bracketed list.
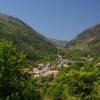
[(86, 43), (86, 37), (25, 38)]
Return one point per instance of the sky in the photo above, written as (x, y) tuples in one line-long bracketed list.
[(57, 19)]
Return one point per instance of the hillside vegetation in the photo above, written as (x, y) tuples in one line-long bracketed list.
[(86, 37), (35, 46), (86, 43)]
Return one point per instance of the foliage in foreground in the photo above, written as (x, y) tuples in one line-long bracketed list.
[(75, 83), (14, 85), (72, 83)]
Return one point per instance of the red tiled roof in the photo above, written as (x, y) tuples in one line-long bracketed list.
[(55, 71)]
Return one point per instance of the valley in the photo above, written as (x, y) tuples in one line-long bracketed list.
[(33, 66)]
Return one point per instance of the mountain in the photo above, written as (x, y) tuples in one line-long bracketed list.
[(86, 37), (35, 45), (61, 43), (86, 43)]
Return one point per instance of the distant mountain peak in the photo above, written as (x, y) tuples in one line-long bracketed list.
[(56, 42)]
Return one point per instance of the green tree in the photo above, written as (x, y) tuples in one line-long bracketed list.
[(13, 84), (74, 83)]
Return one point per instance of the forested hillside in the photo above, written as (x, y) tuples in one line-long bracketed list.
[(86, 43), (35, 46), (86, 37)]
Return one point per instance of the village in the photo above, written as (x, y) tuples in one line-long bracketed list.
[(45, 70)]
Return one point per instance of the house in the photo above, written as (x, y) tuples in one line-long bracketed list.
[(37, 71), (55, 72), (45, 72), (40, 66)]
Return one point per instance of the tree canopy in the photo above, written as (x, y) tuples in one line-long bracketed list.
[(75, 83), (14, 85)]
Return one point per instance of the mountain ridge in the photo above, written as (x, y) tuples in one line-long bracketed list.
[(18, 22), (35, 45), (56, 42), (86, 36), (85, 45)]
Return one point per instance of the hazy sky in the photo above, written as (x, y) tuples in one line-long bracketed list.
[(57, 19)]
